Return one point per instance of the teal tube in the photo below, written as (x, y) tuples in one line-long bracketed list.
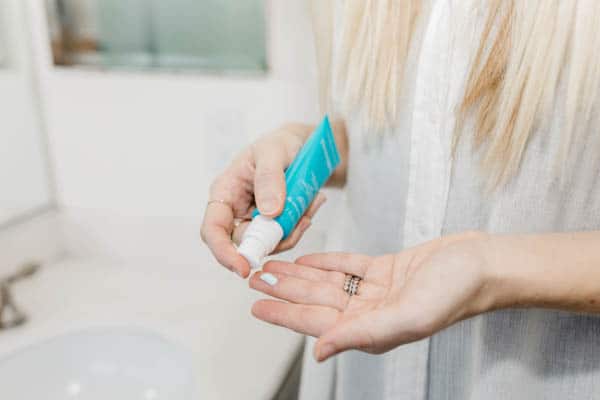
[(312, 167)]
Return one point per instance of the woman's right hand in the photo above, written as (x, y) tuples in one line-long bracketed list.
[(255, 178)]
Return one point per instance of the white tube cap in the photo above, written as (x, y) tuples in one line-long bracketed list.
[(259, 240)]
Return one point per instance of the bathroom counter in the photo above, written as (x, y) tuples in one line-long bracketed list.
[(154, 274)]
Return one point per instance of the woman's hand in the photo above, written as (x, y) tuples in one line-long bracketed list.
[(401, 298), (254, 178)]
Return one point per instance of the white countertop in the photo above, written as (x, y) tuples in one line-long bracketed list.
[(155, 274)]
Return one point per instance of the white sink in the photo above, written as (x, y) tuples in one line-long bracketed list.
[(99, 364)]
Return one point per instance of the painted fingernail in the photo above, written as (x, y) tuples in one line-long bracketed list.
[(270, 279)]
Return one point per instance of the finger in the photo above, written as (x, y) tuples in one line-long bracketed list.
[(238, 231), (348, 263), (294, 237), (304, 319), (305, 222), (300, 291), (350, 334), (269, 178), (318, 201), (216, 231), (305, 272), (375, 331), (288, 243)]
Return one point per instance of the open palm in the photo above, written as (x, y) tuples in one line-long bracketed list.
[(402, 297)]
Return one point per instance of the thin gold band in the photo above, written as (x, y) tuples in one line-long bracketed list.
[(220, 201)]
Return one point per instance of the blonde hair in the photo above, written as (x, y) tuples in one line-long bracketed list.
[(525, 48)]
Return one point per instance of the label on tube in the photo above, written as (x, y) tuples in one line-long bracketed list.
[(312, 167)]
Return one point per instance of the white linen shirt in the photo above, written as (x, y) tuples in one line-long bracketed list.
[(411, 189)]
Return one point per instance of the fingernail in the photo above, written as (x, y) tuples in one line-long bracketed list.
[(270, 279), (269, 204), (322, 199), (238, 273)]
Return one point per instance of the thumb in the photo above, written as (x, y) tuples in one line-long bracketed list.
[(375, 332), (351, 334), (269, 180)]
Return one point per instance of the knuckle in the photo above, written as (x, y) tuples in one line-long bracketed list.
[(267, 173), (218, 182), (221, 260), (289, 127), (293, 130), (287, 130), (203, 234), (261, 148)]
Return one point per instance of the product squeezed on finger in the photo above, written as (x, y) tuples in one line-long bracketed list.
[(309, 171)]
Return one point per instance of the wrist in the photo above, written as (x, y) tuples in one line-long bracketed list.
[(472, 251), (485, 259), (481, 247), (508, 272)]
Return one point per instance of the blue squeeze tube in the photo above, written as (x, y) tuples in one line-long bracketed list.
[(309, 171)]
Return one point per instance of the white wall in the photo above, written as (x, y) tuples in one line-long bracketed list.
[(24, 183), (149, 143)]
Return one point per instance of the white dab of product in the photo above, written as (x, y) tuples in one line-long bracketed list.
[(259, 240), (270, 279)]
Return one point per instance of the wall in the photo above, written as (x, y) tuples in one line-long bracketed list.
[(24, 183), (149, 143)]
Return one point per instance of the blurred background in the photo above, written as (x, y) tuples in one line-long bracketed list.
[(116, 115)]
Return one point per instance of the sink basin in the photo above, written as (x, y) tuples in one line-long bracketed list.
[(99, 364)]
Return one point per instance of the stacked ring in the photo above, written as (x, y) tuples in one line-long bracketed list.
[(351, 284)]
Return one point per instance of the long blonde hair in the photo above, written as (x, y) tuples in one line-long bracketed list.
[(524, 50)]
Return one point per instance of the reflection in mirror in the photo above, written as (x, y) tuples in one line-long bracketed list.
[(216, 35)]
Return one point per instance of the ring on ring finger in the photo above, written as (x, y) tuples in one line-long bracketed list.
[(351, 284)]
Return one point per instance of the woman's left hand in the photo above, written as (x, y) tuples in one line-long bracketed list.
[(402, 297)]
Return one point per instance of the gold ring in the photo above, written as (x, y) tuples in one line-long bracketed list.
[(220, 201)]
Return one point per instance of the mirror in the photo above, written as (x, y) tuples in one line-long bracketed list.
[(206, 35), (24, 184)]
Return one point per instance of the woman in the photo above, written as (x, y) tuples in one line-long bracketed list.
[(472, 151)]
